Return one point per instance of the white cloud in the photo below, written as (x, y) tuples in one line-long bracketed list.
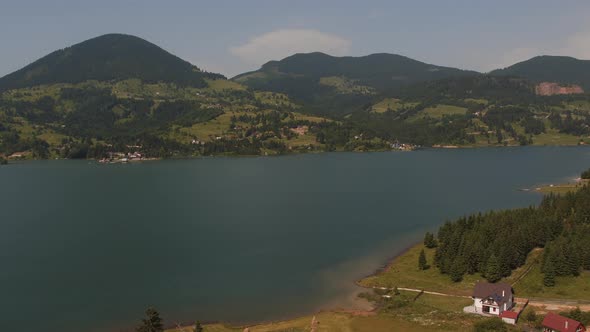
[(279, 44)]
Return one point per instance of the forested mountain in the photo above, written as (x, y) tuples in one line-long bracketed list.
[(105, 58), (336, 85), (119, 93), (559, 69)]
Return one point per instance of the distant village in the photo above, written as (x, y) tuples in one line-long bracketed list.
[(125, 157)]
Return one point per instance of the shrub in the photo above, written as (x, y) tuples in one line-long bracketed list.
[(490, 325)]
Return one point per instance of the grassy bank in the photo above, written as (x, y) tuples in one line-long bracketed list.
[(403, 272), (527, 280), (427, 313), (562, 188)]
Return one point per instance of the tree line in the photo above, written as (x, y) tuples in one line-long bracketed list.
[(497, 242)]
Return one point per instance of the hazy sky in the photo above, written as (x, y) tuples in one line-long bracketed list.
[(231, 37)]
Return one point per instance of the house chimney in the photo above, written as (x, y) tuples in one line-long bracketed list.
[(566, 324), (503, 291)]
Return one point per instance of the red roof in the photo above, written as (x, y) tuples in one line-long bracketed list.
[(509, 314), (561, 324)]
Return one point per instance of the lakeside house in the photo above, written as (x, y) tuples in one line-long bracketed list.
[(556, 323), (492, 299)]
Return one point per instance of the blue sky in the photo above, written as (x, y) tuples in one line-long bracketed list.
[(236, 36)]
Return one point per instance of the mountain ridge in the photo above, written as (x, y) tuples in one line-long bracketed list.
[(550, 68), (104, 58)]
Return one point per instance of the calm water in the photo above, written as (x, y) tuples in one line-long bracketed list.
[(87, 247)]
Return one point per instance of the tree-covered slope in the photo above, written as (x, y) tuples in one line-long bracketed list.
[(560, 69), (337, 85), (105, 58), (380, 71)]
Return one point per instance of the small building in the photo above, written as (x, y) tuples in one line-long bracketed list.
[(492, 299), (509, 316), (556, 323)]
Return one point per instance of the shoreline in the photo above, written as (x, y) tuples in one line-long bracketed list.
[(387, 265), (353, 312), (231, 155)]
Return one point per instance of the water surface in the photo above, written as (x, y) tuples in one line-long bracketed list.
[(87, 247)]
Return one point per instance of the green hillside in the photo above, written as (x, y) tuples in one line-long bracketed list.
[(326, 84), (106, 58), (119, 94), (559, 69)]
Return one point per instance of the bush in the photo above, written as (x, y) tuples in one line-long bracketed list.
[(490, 325), (531, 316), (3, 161), (586, 174)]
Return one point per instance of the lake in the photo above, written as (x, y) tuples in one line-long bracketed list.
[(88, 247)]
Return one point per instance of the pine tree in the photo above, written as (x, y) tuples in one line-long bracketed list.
[(549, 276), (429, 240), (422, 263), (198, 327), (457, 270), (493, 269), (153, 322)]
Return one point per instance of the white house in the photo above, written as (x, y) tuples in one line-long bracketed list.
[(492, 299)]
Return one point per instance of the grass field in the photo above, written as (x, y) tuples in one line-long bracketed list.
[(328, 322), (274, 99), (476, 101), (404, 272), (391, 104), (220, 125), (345, 85), (211, 128), (531, 285), (439, 111), (220, 85), (554, 137), (427, 313), (562, 188), (527, 280)]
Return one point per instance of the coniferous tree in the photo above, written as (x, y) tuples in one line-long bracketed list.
[(549, 276), (198, 327), (493, 269), (457, 270), (422, 263), (152, 323), (429, 240)]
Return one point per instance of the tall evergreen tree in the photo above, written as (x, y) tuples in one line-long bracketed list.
[(152, 323), (198, 327), (429, 240), (549, 276), (422, 263), (457, 270), (493, 269)]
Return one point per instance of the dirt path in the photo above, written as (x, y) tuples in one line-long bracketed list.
[(423, 291), (548, 304), (559, 304)]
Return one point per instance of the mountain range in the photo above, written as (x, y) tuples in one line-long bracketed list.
[(121, 88), (105, 58)]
